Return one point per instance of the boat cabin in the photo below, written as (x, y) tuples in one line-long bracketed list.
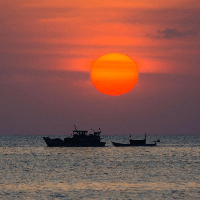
[(77, 132)]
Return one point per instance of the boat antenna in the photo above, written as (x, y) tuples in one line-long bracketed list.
[(75, 126)]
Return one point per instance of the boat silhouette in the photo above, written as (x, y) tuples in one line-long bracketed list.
[(79, 138), (133, 143)]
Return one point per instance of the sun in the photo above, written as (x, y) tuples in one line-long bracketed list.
[(114, 74)]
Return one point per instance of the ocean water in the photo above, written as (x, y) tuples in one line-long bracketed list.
[(30, 170)]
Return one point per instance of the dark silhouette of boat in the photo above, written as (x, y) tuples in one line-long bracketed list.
[(134, 143), (79, 139)]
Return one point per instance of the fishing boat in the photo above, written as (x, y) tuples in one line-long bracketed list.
[(80, 138), (134, 143)]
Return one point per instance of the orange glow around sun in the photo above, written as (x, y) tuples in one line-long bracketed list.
[(114, 74)]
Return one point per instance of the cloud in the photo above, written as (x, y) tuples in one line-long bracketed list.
[(178, 16), (171, 33), (36, 73)]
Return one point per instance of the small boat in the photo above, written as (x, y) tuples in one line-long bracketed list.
[(79, 138), (134, 143)]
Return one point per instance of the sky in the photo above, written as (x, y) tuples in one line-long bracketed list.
[(47, 49)]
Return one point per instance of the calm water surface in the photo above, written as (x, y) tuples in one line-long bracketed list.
[(30, 170)]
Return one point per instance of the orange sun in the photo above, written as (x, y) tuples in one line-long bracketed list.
[(114, 74)]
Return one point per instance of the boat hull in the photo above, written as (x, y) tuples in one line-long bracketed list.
[(72, 143), (132, 145)]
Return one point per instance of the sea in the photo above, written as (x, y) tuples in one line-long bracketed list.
[(31, 170)]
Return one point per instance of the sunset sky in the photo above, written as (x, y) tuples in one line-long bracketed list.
[(48, 48)]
